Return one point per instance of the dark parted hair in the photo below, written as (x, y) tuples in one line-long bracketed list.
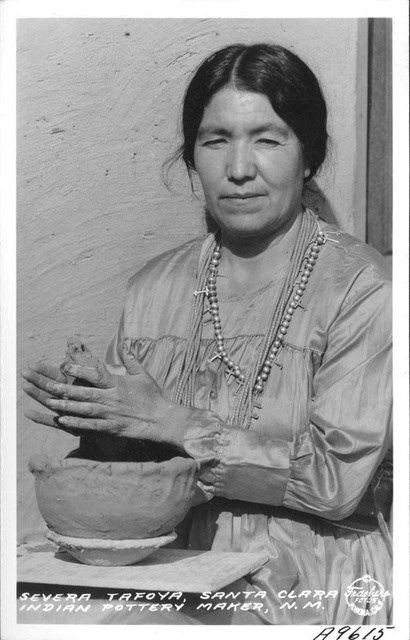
[(291, 87)]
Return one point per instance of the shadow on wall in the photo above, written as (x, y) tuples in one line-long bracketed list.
[(313, 197)]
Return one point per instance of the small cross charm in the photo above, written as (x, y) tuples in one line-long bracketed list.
[(229, 373), (205, 291), (335, 233), (240, 384), (217, 356)]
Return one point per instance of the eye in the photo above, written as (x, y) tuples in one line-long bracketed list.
[(269, 142), (215, 143)]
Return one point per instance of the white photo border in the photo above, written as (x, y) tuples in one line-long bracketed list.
[(10, 12)]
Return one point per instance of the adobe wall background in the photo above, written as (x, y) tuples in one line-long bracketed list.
[(98, 103)]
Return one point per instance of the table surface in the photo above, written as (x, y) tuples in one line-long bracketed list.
[(164, 570), (166, 588)]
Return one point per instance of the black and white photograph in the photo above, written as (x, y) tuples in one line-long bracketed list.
[(204, 253)]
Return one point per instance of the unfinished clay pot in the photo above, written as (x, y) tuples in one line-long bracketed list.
[(113, 500)]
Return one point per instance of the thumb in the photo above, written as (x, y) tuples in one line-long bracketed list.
[(96, 375), (81, 363), (133, 366)]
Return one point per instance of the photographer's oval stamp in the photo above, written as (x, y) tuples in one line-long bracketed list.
[(366, 596)]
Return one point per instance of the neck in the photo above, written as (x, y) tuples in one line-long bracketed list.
[(248, 255)]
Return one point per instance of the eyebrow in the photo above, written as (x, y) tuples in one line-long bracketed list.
[(267, 127)]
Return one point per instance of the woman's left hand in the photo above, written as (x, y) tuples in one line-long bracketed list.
[(131, 406)]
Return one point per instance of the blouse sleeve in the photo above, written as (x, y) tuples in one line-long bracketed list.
[(326, 469), (113, 355)]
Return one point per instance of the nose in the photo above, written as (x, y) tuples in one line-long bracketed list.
[(240, 164)]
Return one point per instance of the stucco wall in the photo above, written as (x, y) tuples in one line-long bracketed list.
[(98, 102)]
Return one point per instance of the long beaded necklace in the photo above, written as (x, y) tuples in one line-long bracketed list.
[(250, 384), (233, 369)]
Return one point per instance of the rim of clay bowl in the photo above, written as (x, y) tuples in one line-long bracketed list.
[(99, 543), (55, 463)]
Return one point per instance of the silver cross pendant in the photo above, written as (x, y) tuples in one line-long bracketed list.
[(217, 356), (229, 374)]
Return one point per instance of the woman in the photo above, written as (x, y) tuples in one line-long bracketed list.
[(262, 352)]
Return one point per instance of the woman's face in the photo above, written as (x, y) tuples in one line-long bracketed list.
[(250, 164)]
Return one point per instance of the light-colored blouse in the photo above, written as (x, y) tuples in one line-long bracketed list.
[(301, 483)]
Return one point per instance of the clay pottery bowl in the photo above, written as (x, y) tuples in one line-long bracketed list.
[(83, 498)]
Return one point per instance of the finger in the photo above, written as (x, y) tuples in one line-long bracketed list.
[(60, 389), (97, 375), (37, 379), (49, 420), (75, 392), (48, 370), (37, 394), (82, 424), (87, 409)]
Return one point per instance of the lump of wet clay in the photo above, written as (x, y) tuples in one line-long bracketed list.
[(113, 500), (104, 447)]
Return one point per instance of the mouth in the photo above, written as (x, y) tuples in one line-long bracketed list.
[(241, 196)]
